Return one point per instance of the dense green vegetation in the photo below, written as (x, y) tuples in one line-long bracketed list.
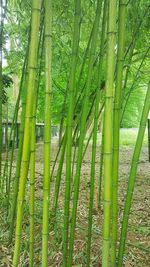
[(16, 30), (83, 66)]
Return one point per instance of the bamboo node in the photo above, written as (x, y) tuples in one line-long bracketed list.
[(120, 60), (112, 32), (48, 35), (115, 148), (45, 233), (32, 67), (36, 9), (108, 97), (107, 153), (32, 150), (124, 4), (46, 142), (33, 183)]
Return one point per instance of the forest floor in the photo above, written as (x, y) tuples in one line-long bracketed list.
[(138, 238)]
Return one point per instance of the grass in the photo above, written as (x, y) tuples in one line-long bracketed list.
[(128, 137)]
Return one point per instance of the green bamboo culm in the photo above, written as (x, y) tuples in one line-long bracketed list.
[(32, 64), (132, 176), (32, 183), (33, 151), (63, 144), (79, 79), (11, 162), (32, 176), (14, 126), (94, 143), (71, 94), (18, 166), (108, 129), (47, 130), (116, 128), (59, 174), (63, 141), (91, 133), (126, 75), (5, 173), (13, 132), (82, 131), (101, 168), (83, 63)]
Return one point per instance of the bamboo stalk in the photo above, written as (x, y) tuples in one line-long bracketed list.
[(71, 94), (132, 176), (82, 132), (62, 148), (116, 128), (59, 173), (76, 102), (101, 167), (47, 130), (126, 75), (74, 155), (57, 156), (32, 183), (32, 152), (18, 167), (94, 143), (78, 99), (5, 175), (13, 130), (108, 129), (23, 93), (137, 28), (32, 63)]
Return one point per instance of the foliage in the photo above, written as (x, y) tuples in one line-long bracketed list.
[(91, 79), (6, 82), (133, 110), (16, 31)]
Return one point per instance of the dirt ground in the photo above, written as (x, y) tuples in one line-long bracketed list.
[(138, 239)]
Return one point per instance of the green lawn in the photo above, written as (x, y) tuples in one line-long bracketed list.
[(128, 137)]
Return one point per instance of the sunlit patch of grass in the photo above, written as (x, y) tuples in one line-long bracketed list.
[(128, 137)]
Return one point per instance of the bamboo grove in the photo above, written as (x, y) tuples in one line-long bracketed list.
[(98, 87)]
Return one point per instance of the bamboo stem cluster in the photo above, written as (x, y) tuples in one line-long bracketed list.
[(86, 99), (32, 65)]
